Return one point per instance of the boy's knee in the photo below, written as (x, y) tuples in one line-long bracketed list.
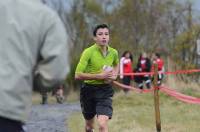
[(102, 123), (103, 126)]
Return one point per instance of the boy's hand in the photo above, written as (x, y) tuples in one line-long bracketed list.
[(114, 76), (105, 75), (111, 74)]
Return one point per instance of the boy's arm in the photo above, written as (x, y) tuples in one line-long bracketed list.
[(89, 76)]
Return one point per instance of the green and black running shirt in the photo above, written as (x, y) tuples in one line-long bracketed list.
[(92, 61)]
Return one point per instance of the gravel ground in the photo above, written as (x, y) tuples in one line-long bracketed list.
[(50, 118)]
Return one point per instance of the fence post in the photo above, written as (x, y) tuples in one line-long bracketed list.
[(156, 98)]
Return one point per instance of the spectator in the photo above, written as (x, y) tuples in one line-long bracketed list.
[(143, 65), (32, 38), (159, 61), (126, 67)]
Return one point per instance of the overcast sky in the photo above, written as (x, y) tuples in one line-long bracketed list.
[(197, 4)]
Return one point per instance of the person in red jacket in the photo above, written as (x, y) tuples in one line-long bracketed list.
[(143, 65), (126, 67), (157, 60)]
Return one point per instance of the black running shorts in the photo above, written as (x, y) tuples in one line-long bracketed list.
[(96, 99)]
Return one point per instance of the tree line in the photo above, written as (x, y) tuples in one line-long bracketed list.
[(165, 26)]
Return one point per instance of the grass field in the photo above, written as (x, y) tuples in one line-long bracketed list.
[(135, 113)]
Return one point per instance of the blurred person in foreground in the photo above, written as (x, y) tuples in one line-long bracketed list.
[(32, 38), (98, 67)]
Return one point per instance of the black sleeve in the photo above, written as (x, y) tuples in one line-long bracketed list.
[(137, 66), (148, 64)]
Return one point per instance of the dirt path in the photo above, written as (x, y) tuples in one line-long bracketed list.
[(50, 118)]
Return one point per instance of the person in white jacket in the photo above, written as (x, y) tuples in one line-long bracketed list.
[(32, 38), (126, 67)]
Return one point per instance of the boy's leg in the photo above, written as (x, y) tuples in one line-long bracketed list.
[(103, 123), (89, 125), (104, 108), (88, 106)]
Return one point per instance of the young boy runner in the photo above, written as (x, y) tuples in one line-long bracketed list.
[(98, 67)]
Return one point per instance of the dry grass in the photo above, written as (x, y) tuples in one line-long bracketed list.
[(135, 112)]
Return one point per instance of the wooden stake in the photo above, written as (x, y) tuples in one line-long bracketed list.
[(156, 99)]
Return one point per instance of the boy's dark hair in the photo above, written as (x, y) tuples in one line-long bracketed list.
[(98, 27), (158, 55)]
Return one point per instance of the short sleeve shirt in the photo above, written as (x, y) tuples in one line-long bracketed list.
[(92, 61)]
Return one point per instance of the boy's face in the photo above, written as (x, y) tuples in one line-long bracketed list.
[(102, 36)]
